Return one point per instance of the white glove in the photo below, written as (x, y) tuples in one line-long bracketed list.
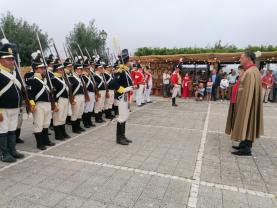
[(128, 89)]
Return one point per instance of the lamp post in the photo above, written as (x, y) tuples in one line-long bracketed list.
[(103, 37)]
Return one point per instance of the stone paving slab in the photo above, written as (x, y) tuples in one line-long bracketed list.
[(156, 170), (210, 197), (257, 173), (61, 183)]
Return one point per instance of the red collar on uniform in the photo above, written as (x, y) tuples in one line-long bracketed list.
[(249, 66)]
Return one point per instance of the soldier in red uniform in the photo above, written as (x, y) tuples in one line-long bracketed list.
[(174, 81), (140, 83)]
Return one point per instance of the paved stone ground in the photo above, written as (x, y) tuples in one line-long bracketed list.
[(180, 157)]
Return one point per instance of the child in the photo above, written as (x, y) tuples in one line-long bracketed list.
[(200, 92), (224, 84), (209, 89)]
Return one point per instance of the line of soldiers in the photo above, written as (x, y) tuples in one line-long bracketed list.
[(143, 82), (80, 87)]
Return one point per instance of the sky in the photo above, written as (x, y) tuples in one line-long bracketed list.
[(156, 23)]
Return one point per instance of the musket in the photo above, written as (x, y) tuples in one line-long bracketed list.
[(23, 84), (87, 99), (52, 94), (21, 80), (65, 51), (71, 97), (93, 80)]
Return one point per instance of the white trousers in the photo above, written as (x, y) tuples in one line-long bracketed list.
[(109, 101), (42, 116), (147, 93), (123, 109), (90, 105), (69, 112), (10, 120), (116, 102), (99, 105), (175, 91), (60, 116), (78, 108), (265, 94), (20, 118), (139, 95)]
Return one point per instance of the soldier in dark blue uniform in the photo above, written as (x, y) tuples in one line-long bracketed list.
[(79, 97), (110, 90), (39, 95), (62, 100), (100, 101), (123, 85), (10, 102), (89, 106)]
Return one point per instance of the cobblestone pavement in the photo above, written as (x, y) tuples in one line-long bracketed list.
[(180, 157)]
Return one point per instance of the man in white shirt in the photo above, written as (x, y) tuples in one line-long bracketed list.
[(232, 78), (166, 83)]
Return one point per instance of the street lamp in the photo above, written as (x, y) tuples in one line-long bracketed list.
[(103, 35)]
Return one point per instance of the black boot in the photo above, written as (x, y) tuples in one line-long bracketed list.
[(107, 114), (89, 119), (111, 114), (51, 126), (68, 120), (39, 141), (97, 118), (11, 145), (244, 151), (119, 134), (101, 116), (4, 151), (85, 120), (115, 109), (75, 127), (17, 133), (45, 138), (79, 125), (58, 135), (241, 145), (123, 133), (63, 132), (174, 102)]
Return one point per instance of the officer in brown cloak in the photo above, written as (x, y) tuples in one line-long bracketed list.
[(245, 118)]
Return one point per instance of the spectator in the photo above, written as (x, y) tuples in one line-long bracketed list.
[(185, 84), (267, 85), (216, 82), (209, 89), (232, 77), (200, 92), (274, 87), (166, 83), (224, 84)]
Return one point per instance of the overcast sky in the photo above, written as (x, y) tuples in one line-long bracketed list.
[(156, 23)]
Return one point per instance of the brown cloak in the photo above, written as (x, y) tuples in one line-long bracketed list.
[(245, 117)]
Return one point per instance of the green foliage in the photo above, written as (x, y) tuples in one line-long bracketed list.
[(87, 37), (217, 48), (23, 34)]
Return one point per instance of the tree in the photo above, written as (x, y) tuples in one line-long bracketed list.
[(87, 37), (23, 35)]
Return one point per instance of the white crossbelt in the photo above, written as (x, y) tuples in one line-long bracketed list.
[(89, 82), (65, 87), (44, 87), (110, 78), (13, 81), (79, 84), (100, 84)]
